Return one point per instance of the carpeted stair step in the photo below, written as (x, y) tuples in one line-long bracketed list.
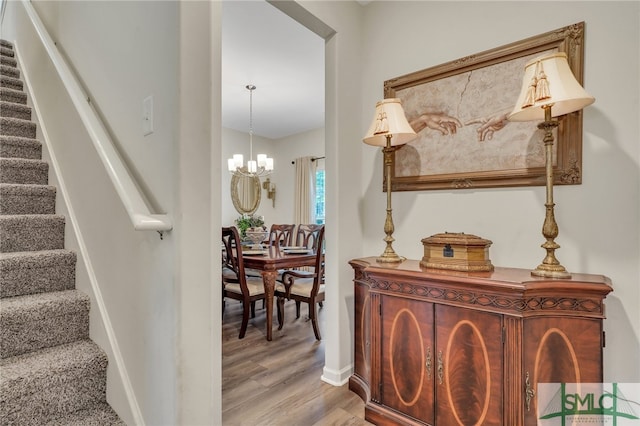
[(31, 232), (37, 321), (14, 110), (51, 383), (9, 71), (18, 170), (11, 95), (17, 127), (32, 272), (6, 51), (11, 82), (101, 415), (6, 43), (11, 62), (16, 147), (27, 199)]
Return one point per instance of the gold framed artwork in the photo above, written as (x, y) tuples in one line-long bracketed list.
[(459, 110)]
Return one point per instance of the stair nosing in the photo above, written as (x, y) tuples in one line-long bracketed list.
[(11, 140), (28, 162), (91, 352), (39, 303)]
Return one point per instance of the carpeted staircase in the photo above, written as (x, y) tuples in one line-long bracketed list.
[(50, 372)]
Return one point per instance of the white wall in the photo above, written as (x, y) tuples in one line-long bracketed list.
[(598, 220), (198, 364), (121, 68)]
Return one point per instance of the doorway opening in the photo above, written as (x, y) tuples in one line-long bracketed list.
[(263, 46)]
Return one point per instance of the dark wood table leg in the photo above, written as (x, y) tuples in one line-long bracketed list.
[(269, 281)]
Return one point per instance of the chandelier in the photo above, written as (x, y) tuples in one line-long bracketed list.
[(262, 165)]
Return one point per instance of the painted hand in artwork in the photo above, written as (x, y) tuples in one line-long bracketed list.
[(443, 123), (490, 124)]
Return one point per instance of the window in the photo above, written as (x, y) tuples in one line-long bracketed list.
[(319, 196)]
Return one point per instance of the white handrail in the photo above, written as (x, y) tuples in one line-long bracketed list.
[(3, 7), (134, 202)]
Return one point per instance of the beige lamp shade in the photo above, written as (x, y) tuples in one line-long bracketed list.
[(547, 81), (389, 119)]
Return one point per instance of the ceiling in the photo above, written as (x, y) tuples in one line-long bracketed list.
[(284, 60)]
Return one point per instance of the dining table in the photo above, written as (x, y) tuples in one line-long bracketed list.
[(269, 261)]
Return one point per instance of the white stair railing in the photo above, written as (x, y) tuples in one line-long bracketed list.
[(130, 194)]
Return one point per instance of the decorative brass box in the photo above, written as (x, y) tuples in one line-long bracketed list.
[(456, 251)]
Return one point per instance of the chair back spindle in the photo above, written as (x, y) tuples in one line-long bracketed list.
[(281, 235), (308, 236)]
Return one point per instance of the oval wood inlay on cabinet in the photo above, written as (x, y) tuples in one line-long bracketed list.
[(406, 329), (556, 355), (467, 361)]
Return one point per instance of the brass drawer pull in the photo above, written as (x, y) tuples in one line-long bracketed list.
[(429, 362), (440, 367)]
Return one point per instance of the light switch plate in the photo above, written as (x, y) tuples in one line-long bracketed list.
[(147, 115)]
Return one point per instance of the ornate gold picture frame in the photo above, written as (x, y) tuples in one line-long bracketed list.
[(459, 111)]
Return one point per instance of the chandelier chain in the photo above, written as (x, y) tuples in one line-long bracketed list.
[(251, 88)]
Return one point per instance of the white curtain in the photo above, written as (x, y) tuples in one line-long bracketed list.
[(305, 190)]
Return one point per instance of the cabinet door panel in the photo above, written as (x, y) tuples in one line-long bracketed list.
[(362, 332), (407, 357), (469, 367), (561, 350)]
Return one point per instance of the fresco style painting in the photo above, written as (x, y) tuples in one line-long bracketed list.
[(459, 111)]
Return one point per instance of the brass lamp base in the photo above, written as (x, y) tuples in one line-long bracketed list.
[(389, 259), (550, 266), (390, 256), (547, 271)]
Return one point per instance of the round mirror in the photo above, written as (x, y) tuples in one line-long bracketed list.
[(245, 193)]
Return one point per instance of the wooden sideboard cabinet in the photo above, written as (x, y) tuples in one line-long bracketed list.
[(435, 347)]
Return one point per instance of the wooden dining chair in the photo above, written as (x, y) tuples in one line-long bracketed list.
[(307, 235), (281, 235), (236, 284), (303, 286)]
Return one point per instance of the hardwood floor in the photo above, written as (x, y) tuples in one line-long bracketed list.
[(278, 382)]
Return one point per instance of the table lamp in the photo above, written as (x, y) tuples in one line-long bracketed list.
[(549, 89), (389, 128)]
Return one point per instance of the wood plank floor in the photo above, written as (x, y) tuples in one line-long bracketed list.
[(278, 382)]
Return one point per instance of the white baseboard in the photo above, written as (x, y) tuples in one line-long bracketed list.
[(336, 377)]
